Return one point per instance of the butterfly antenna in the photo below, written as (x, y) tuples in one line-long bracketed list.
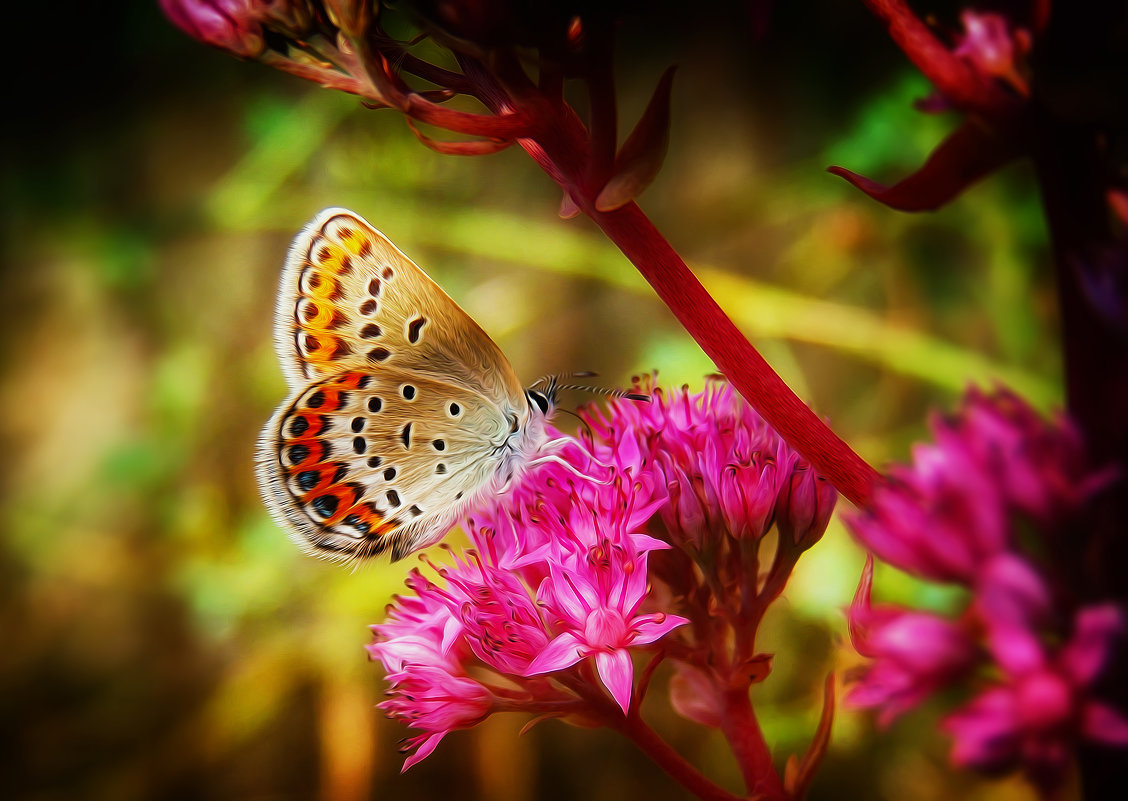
[(608, 392), (555, 378)]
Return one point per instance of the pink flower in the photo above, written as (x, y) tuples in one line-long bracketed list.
[(1034, 717), (227, 24), (998, 481), (434, 699), (723, 466), (989, 45), (804, 505), (915, 653), (500, 623), (422, 652), (558, 575), (957, 506), (593, 595)]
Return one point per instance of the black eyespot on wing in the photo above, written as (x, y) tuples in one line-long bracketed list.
[(389, 474), (374, 461), (360, 525), (359, 445), (415, 511), (370, 331), (439, 445), (440, 468), (358, 424), (375, 404), (393, 498), (379, 354), (325, 505), (299, 426), (405, 436), (307, 479), (298, 453), (454, 409), (316, 400), (408, 392), (368, 307)]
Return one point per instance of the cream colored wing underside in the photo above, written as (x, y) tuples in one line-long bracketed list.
[(350, 299)]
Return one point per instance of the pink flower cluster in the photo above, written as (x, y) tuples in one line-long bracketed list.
[(569, 575), (727, 473), (996, 470), (551, 589)]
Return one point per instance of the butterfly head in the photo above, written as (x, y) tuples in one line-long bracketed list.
[(542, 396)]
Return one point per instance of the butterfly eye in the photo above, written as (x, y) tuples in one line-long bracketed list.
[(539, 399)]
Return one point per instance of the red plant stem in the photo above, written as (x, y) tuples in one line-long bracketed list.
[(743, 733), (562, 148), (664, 756), (733, 354), (583, 683)]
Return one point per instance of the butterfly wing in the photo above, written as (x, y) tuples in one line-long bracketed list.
[(362, 463), (350, 299), (400, 404)]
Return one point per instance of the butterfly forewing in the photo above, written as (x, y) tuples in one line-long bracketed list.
[(399, 402), (351, 300)]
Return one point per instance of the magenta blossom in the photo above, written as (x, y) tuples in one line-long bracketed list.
[(558, 574), (960, 503), (991, 46), (998, 481), (644, 535), (227, 24), (437, 700), (1044, 704), (594, 596), (914, 653), (722, 465)]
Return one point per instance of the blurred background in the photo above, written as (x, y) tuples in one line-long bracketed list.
[(162, 637)]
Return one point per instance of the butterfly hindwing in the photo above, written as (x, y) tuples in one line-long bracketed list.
[(362, 463)]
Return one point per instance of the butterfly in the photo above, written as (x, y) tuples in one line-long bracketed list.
[(402, 412)]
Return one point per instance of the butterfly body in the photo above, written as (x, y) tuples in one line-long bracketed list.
[(402, 412)]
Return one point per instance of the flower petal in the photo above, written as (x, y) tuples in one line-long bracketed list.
[(1103, 724), (564, 651), (424, 750), (617, 673), (649, 628), (1096, 629)]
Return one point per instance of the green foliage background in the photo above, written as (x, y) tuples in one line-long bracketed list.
[(162, 637)]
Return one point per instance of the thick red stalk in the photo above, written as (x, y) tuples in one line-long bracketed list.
[(562, 148), (662, 754), (634, 728), (743, 733), (733, 354)]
